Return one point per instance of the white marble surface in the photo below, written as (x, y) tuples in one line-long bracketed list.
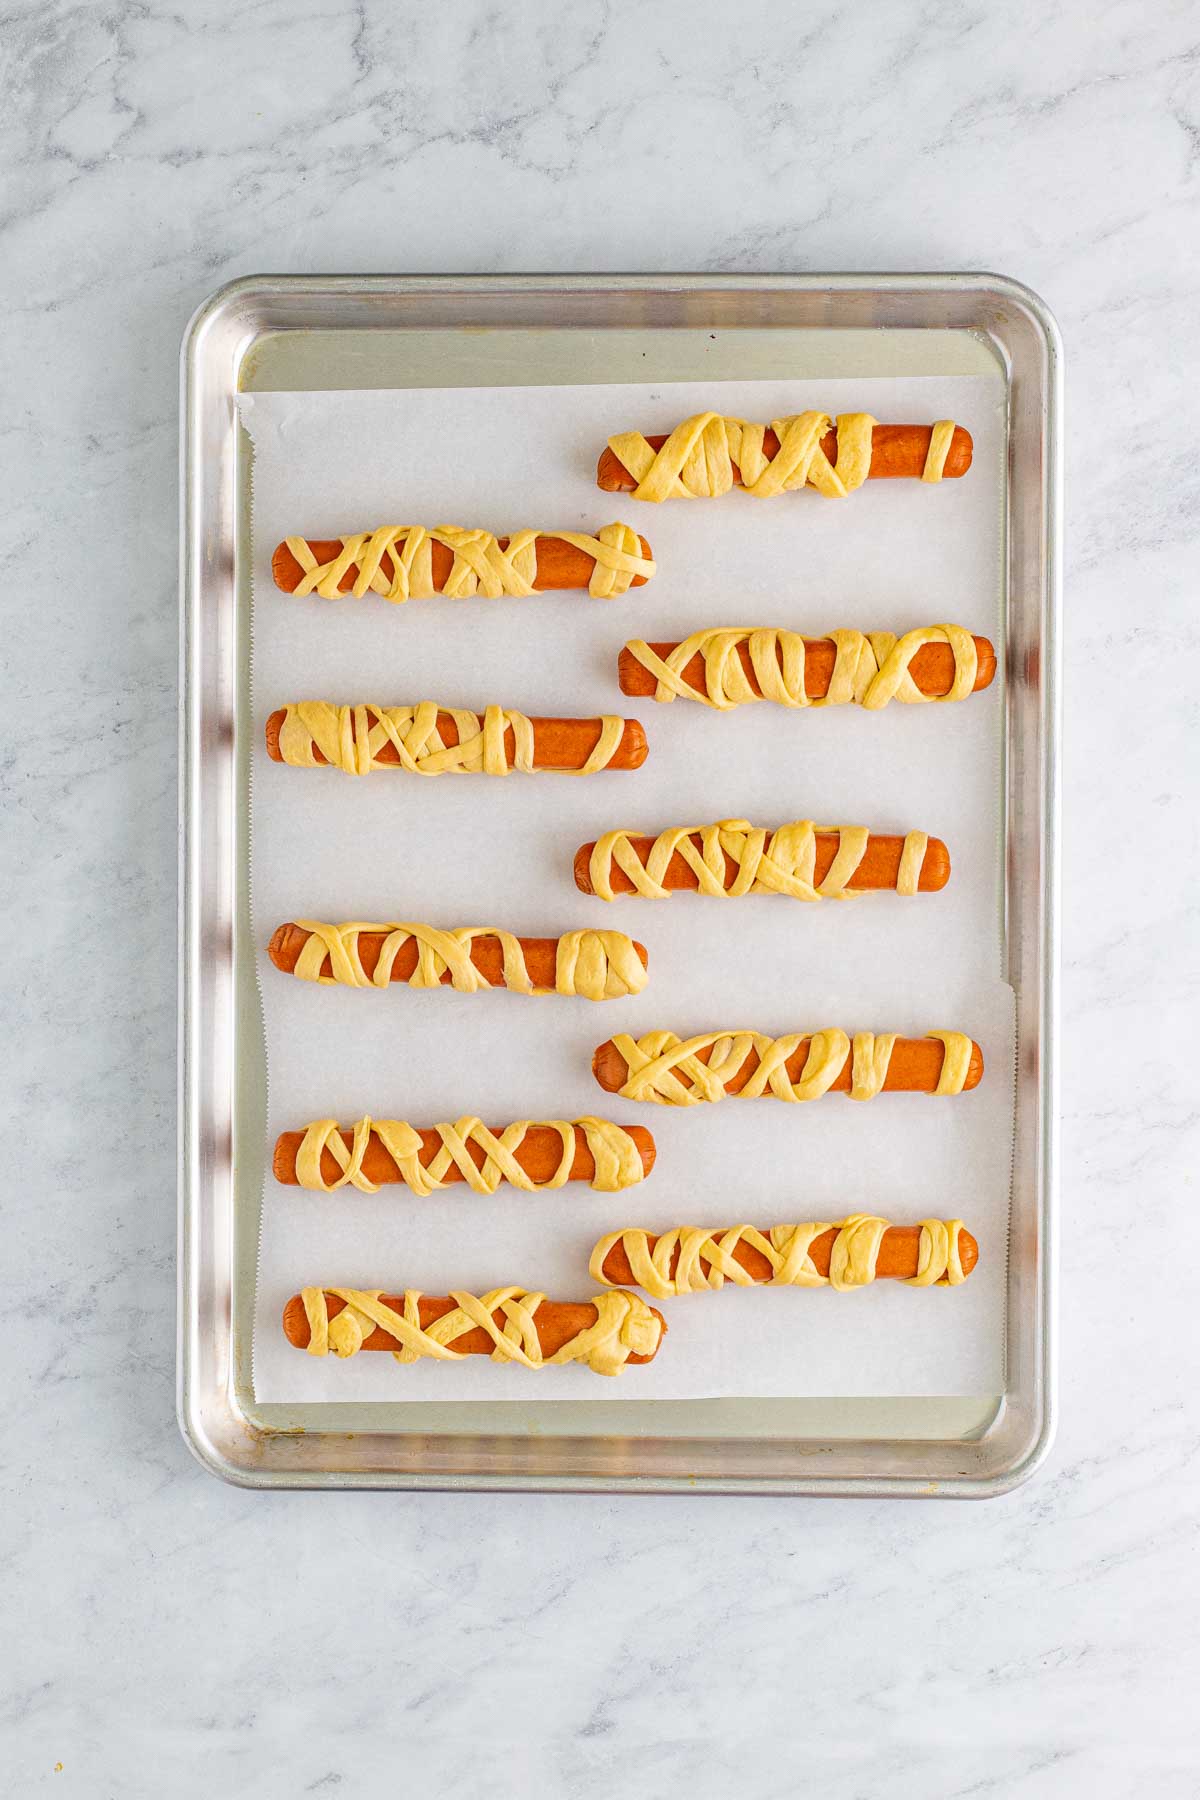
[(173, 1635)]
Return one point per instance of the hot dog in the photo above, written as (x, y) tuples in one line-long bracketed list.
[(898, 1256), (664, 1068), (491, 955), (897, 451), (558, 564), (559, 1325), (598, 864), (562, 744), (932, 668), (539, 1155)]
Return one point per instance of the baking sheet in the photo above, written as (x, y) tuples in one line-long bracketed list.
[(476, 851)]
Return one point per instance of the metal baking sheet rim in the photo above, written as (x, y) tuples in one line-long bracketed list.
[(213, 1422)]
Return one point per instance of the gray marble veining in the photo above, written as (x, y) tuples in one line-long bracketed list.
[(173, 1635)]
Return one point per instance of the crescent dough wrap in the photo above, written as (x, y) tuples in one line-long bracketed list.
[(624, 1326), (656, 1060), (617, 1159), (598, 965), (786, 1248), (480, 566), (351, 738), (778, 862), (696, 461), (869, 670)]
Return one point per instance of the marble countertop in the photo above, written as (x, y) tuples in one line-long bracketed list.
[(174, 1635)]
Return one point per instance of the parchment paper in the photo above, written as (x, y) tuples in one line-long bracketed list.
[(473, 850)]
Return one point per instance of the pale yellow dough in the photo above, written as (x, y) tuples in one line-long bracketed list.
[(696, 461), (617, 1158), (598, 965), (624, 1326), (787, 1248), (939, 449), (656, 1060), (869, 669), (351, 737), (777, 862), (480, 566)]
